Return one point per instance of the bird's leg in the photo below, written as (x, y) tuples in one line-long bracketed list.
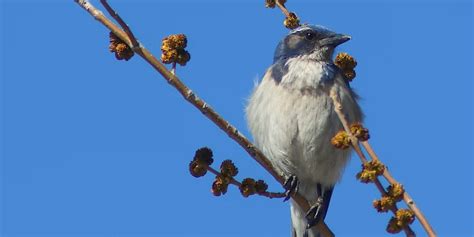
[(291, 187), (315, 212)]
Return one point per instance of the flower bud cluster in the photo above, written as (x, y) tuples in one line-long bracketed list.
[(346, 63), (173, 50), (120, 48), (370, 171)]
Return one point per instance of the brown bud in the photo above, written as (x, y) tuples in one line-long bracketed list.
[(261, 187), (197, 169), (396, 191), (349, 74), (384, 204), (370, 171), (183, 57), (272, 3), (366, 176), (169, 56), (360, 132), (341, 140), (120, 48), (173, 49), (405, 217), (376, 166), (228, 168), (204, 155), (393, 227), (345, 61), (220, 185), (247, 187), (178, 41), (291, 21)]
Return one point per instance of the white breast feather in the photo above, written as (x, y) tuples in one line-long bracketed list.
[(293, 120)]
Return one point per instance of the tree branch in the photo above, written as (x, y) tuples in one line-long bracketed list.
[(355, 144)]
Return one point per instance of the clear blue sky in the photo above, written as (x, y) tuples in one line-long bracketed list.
[(92, 146)]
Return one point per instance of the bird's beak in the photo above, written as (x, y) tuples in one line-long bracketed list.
[(334, 40)]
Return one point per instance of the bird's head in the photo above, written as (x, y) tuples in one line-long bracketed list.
[(311, 42)]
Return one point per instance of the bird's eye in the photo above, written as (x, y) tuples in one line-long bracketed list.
[(309, 36)]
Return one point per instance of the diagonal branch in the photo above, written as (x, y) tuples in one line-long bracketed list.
[(355, 144), (200, 104)]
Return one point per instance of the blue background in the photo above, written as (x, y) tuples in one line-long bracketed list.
[(92, 146)]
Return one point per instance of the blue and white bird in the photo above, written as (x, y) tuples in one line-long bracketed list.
[(291, 117)]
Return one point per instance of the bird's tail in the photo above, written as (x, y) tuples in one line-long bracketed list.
[(298, 216), (299, 223)]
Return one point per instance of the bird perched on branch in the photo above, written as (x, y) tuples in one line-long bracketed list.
[(291, 117)]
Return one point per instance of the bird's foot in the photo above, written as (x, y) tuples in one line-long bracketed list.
[(291, 187), (315, 212)]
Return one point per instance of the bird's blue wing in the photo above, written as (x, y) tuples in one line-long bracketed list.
[(327, 199)]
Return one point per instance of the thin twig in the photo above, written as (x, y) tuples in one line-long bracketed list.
[(282, 8), (202, 106), (406, 197), (273, 195), (238, 184), (122, 23)]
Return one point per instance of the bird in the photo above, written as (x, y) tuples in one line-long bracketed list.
[(291, 117)]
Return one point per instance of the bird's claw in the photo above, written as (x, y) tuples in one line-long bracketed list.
[(314, 214), (291, 187)]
